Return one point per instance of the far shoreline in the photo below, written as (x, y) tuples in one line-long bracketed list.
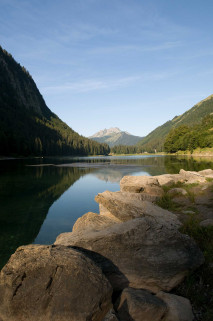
[(197, 153)]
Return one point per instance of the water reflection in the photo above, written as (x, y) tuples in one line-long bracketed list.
[(174, 164), (39, 202), (26, 195), (76, 201)]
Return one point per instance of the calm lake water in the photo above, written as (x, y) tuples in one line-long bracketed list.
[(41, 198)]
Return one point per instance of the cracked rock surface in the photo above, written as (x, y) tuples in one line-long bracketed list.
[(52, 283), (127, 206), (140, 253), (139, 305)]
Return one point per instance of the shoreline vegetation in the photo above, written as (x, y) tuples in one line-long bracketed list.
[(121, 256), (205, 152), (177, 137)]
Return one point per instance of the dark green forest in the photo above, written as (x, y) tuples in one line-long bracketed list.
[(193, 116), (190, 137), (123, 149), (27, 125), (180, 138)]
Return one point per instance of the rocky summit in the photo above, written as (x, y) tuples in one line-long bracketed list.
[(114, 136), (122, 264)]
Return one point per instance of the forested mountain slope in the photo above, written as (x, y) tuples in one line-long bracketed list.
[(155, 140), (185, 137), (27, 125)]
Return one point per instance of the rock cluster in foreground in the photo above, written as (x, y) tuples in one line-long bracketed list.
[(120, 264)]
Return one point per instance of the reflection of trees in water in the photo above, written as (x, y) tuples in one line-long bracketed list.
[(26, 195), (129, 166), (136, 160), (152, 166), (174, 164)]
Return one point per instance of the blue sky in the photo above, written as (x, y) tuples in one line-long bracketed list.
[(133, 64)]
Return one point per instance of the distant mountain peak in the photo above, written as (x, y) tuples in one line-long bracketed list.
[(107, 132), (114, 136)]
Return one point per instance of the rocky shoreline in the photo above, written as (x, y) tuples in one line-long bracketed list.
[(120, 264)]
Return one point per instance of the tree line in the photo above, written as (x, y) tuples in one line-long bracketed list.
[(180, 138), (190, 137), (27, 134), (27, 125)]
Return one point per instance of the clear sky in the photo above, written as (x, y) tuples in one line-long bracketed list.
[(133, 64)]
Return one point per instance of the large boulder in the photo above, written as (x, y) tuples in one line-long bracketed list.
[(139, 184), (152, 185), (201, 176), (126, 206), (179, 308), (140, 253), (149, 184), (169, 179), (94, 221), (192, 177), (140, 305), (52, 283), (206, 172)]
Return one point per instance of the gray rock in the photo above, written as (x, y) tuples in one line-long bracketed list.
[(93, 221), (153, 184), (142, 196), (126, 206), (140, 305), (179, 308), (175, 191), (208, 222), (149, 184), (209, 176), (138, 184), (111, 316), (195, 180), (145, 196), (206, 172), (140, 253), (48, 283), (154, 191), (169, 179), (192, 177), (105, 212)]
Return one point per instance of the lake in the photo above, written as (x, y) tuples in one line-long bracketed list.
[(43, 197)]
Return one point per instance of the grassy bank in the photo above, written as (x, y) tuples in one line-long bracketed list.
[(197, 152), (198, 285), (202, 152), (138, 154)]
